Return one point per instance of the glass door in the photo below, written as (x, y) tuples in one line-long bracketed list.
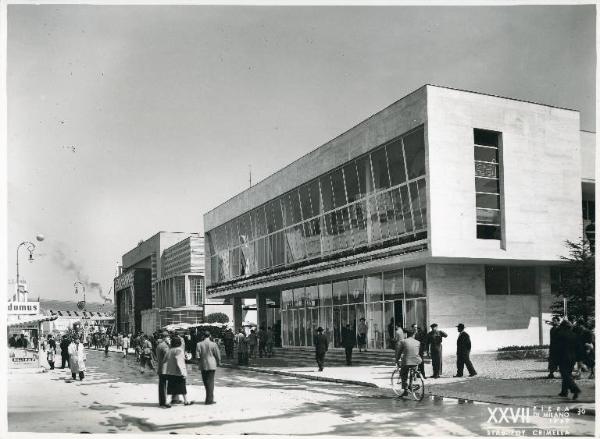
[(416, 312), (296, 331), (337, 321), (301, 327)]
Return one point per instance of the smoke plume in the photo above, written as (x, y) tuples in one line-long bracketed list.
[(68, 265)]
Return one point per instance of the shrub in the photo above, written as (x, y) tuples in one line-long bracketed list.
[(523, 348)]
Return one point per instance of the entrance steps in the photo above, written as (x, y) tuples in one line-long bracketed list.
[(300, 357)]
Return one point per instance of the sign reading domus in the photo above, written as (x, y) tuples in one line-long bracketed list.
[(23, 307)]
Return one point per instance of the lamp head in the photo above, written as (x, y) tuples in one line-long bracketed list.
[(39, 237)]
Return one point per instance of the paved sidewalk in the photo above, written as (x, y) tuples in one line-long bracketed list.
[(523, 385)]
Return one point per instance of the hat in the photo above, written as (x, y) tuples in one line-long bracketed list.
[(433, 325), (164, 334), (362, 318), (319, 329), (461, 326)]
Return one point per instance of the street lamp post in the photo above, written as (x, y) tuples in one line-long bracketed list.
[(30, 248), (80, 305)]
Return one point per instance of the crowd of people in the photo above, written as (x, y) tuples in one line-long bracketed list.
[(163, 352), (247, 345), (166, 353)]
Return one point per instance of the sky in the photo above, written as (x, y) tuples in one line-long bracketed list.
[(127, 120)]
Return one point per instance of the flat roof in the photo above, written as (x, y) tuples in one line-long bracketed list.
[(375, 114)]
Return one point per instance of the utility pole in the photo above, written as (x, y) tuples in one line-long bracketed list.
[(250, 172)]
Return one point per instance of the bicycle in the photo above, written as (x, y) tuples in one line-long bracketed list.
[(415, 383)]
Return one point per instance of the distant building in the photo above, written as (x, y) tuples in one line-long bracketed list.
[(162, 282), (447, 206)]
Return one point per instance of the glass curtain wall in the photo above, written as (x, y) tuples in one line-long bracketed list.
[(375, 200), (383, 299)]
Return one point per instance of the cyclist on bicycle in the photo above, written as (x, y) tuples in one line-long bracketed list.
[(407, 356)]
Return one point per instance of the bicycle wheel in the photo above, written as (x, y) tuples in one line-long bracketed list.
[(416, 386), (397, 382)]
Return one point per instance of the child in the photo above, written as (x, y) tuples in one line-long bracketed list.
[(50, 357)]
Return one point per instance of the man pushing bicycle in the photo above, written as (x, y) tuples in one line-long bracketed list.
[(407, 356)]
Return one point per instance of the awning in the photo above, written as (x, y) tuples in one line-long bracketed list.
[(31, 320)]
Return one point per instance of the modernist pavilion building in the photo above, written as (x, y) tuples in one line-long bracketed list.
[(447, 206)]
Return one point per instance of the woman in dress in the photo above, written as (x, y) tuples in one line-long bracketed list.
[(77, 358), (177, 371)]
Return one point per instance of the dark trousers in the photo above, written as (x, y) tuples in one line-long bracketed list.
[(421, 368), (51, 363), (208, 378), (552, 366), (566, 375), (261, 350), (65, 360), (269, 349), (463, 360), (242, 358), (81, 376), (321, 360), (349, 356), (162, 389), (436, 361), (404, 375)]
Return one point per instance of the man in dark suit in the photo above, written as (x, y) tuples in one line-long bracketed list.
[(161, 369), (433, 345), (463, 351), (348, 341), (321, 345), (209, 357), (64, 351), (568, 352), (421, 337), (552, 357)]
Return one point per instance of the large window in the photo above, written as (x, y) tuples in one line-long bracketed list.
[(196, 290), (487, 183), (501, 280), (376, 199), (382, 299)]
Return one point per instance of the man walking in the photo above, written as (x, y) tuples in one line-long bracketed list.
[(321, 346), (242, 347), (228, 342), (407, 354), (269, 342), (348, 341), (262, 338), (568, 351), (434, 347), (161, 369), (210, 358), (362, 330), (463, 351), (552, 357)]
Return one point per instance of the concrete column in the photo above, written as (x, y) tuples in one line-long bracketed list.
[(237, 313), (261, 310), (188, 299)]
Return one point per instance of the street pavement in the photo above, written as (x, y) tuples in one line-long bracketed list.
[(510, 382), (116, 398)]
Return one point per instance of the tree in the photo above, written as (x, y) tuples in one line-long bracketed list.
[(217, 317), (576, 283)]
